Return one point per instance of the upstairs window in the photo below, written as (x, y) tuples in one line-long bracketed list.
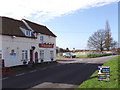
[(28, 33), (41, 38)]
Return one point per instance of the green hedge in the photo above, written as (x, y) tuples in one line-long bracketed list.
[(99, 55)]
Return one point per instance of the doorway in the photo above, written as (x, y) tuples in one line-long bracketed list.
[(36, 57), (31, 55)]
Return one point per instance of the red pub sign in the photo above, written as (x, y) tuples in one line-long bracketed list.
[(46, 45)]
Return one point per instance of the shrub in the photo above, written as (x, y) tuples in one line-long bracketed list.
[(99, 55)]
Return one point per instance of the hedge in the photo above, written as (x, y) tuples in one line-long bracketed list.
[(99, 55)]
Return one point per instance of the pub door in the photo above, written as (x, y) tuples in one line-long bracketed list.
[(36, 57), (31, 55)]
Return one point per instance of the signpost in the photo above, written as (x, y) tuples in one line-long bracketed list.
[(103, 73)]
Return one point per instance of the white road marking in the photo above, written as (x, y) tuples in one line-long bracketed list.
[(4, 78), (20, 74), (33, 71)]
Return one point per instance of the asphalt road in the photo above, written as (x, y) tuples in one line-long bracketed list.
[(65, 74)]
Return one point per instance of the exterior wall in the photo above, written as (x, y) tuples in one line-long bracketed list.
[(20, 43)]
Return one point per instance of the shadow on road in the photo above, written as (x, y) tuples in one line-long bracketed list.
[(65, 60), (71, 73)]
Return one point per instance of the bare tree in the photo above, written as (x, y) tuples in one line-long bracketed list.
[(67, 49), (108, 37), (102, 39), (114, 45), (97, 40)]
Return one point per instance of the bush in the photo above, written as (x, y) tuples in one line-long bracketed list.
[(99, 55)]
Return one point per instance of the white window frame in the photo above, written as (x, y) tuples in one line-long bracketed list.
[(27, 34), (41, 54), (1, 52), (25, 54), (51, 54)]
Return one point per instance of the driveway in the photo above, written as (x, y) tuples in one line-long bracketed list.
[(99, 60), (66, 74)]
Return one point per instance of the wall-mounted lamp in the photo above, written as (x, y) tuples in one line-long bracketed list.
[(13, 36)]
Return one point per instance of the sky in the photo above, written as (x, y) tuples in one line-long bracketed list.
[(72, 21)]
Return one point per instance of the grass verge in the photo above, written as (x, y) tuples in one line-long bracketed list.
[(92, 82), (99, 55), (81, 56), (58, 55)]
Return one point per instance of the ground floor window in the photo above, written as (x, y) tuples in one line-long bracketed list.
[(1, 59), (24, 54), (41, 54), (51, 54), (12, 53), (0, 54)]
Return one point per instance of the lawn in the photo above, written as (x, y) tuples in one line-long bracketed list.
[(58, 55), (79, 55), (92, 82), (83, 55)]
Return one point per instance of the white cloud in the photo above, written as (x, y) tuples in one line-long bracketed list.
[(43, 10)]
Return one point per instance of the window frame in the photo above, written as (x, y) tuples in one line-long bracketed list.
[(41, 54), (1, 52), (27, 33), (41, 38), (52, 54), (25, 52)]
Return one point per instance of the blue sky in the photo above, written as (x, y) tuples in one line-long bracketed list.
[(73, 30), (73, 21)]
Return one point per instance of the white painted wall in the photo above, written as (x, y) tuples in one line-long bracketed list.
[(22, 43)]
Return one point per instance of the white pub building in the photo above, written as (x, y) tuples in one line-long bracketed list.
[(23, 41)]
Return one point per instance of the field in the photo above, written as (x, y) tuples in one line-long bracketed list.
[(91, 54)]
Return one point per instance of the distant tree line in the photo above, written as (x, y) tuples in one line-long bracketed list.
[(61, 50)]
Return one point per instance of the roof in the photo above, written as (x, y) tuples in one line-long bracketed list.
[(39, 28), (12, 27)]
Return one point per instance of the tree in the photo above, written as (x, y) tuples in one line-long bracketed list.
[(102, 39), (73, 49), (114, 45), (97, 40), (67, 49), (108, 38)]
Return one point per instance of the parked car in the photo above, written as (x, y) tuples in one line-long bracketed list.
[(69, 55)]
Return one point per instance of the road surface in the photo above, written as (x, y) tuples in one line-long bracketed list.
[(66, 74)]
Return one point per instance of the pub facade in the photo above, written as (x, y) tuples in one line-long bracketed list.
[(24, 41)]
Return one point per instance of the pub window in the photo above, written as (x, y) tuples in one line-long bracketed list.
[(1, 57), (24, 54), (12, 53), (41, 54), (51, 54), (28, 33)]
